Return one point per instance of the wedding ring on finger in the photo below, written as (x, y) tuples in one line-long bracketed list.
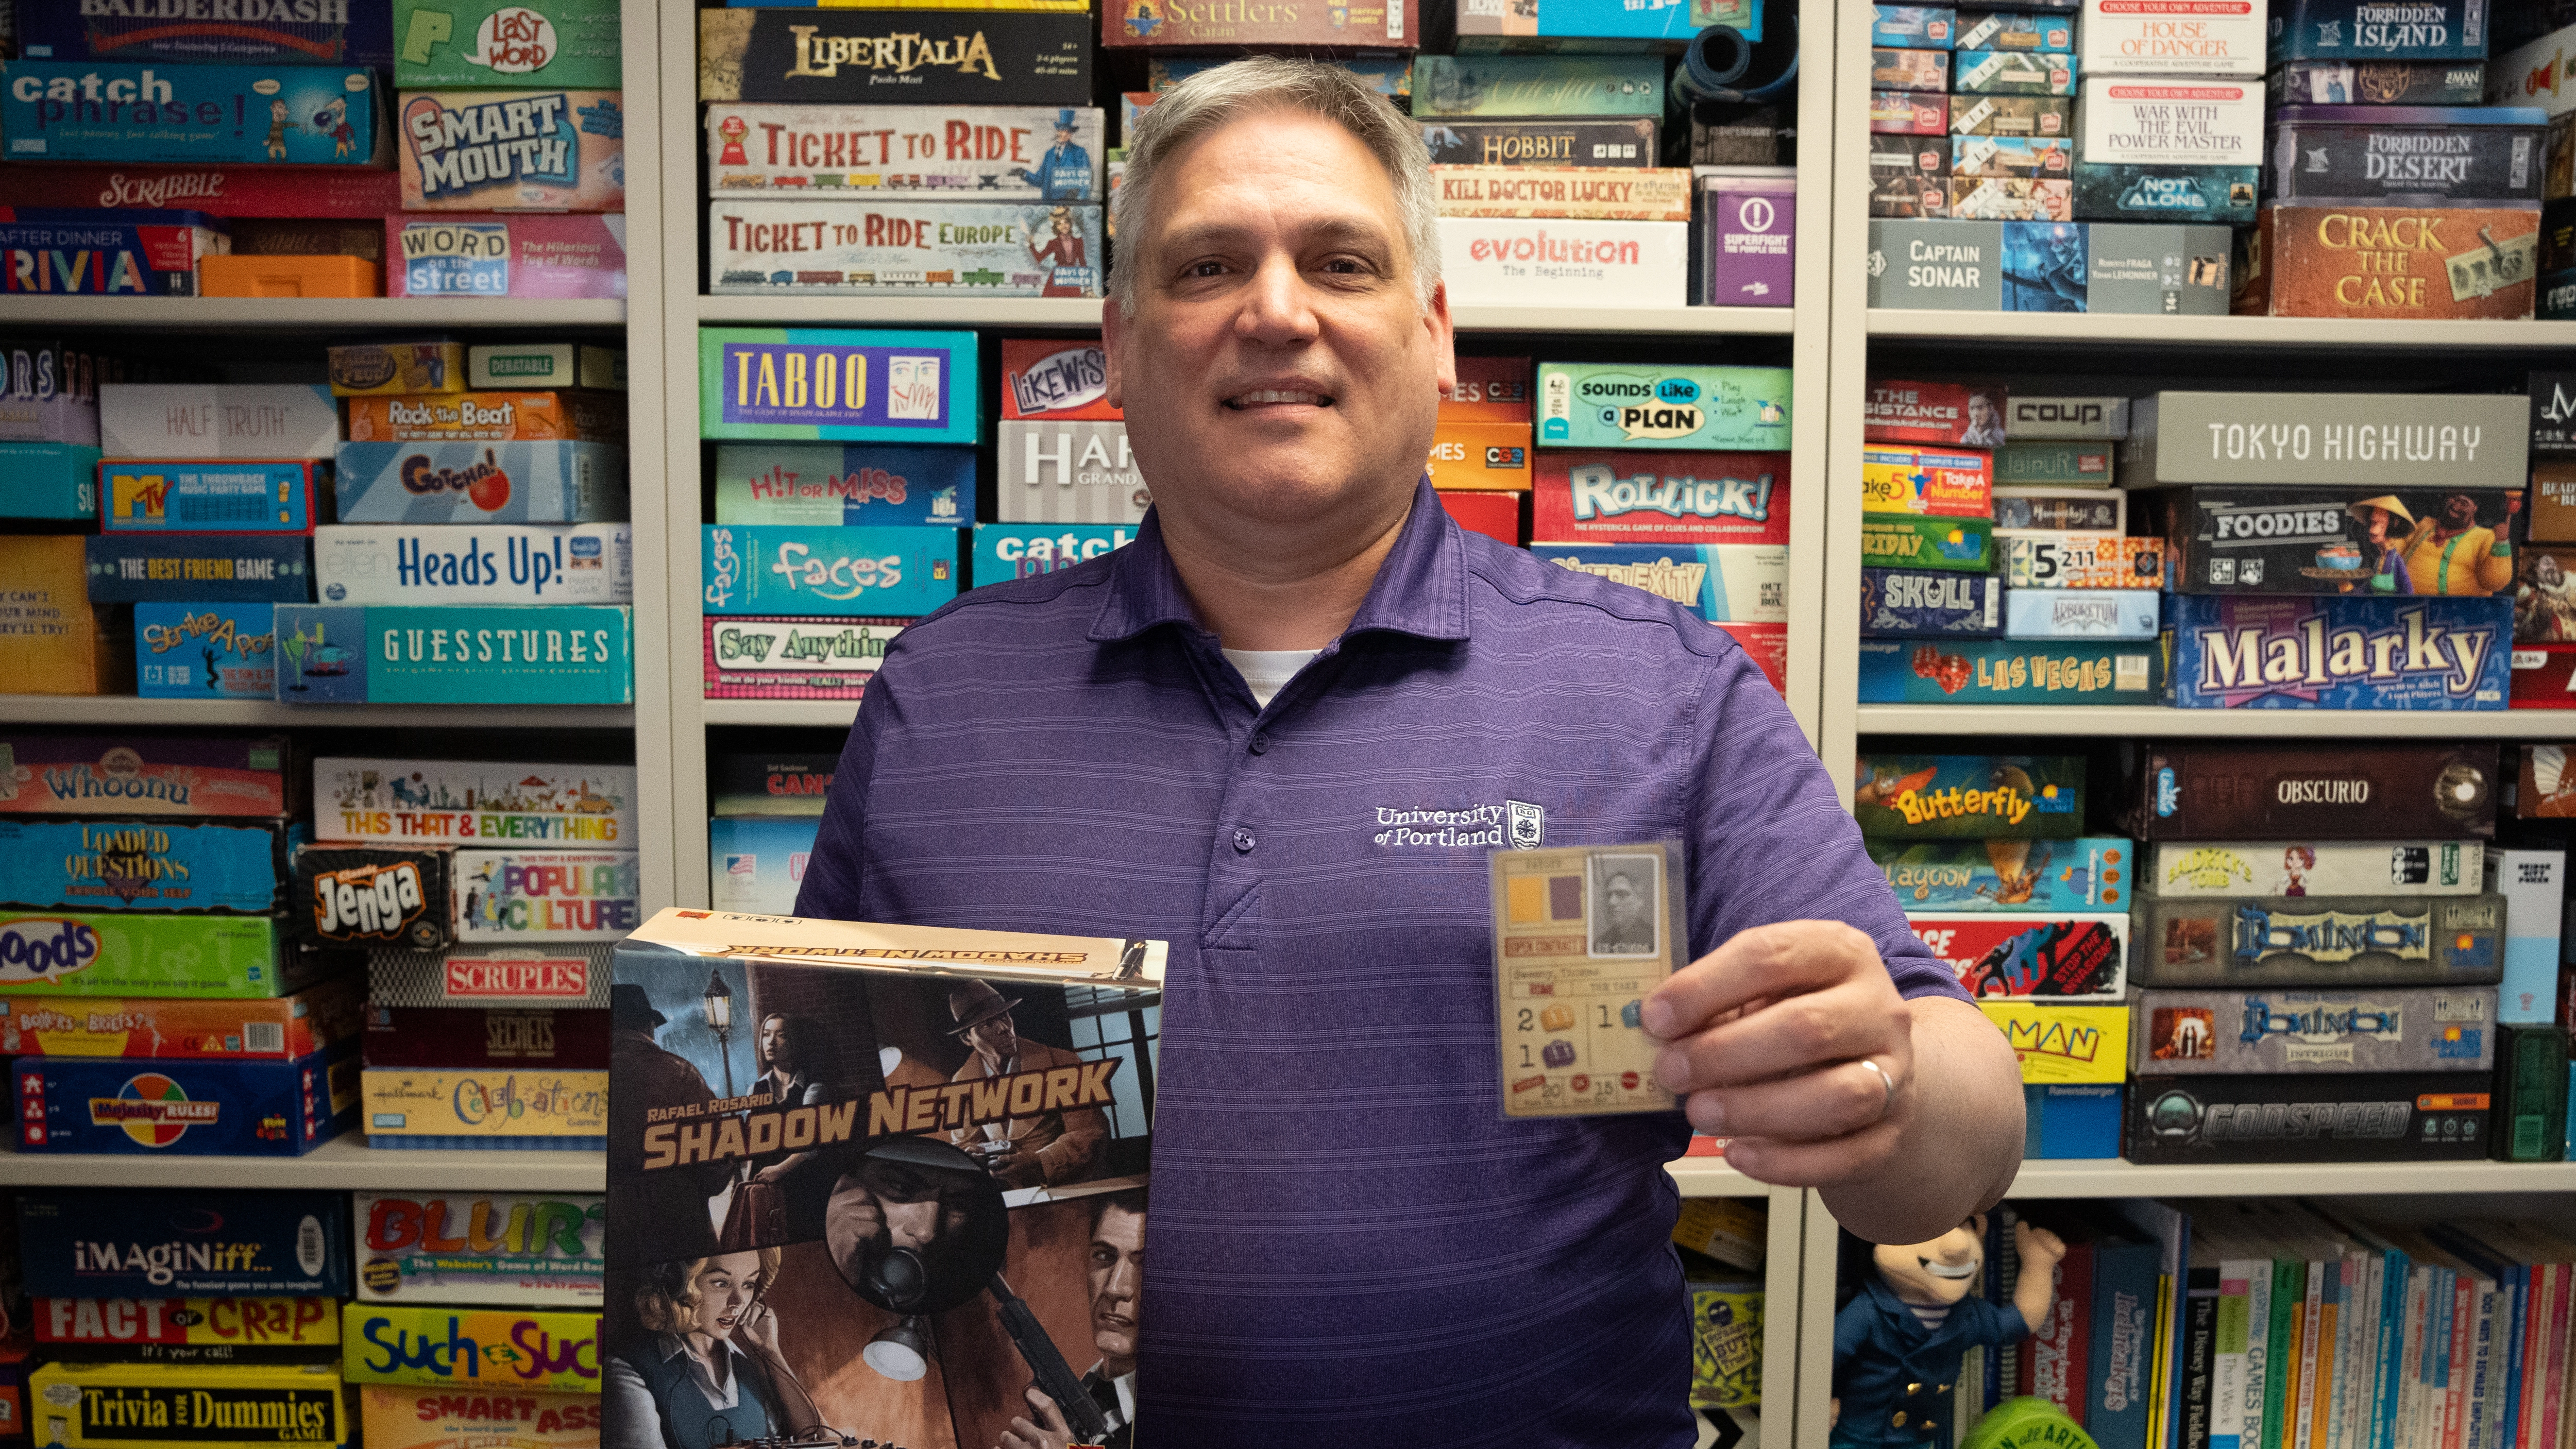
[(1887, 1103)]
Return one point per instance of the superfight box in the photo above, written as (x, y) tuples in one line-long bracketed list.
[(191, 1330), (143, 864), (2364, 1117), (2319, 867), (2314, 1029), (219, 1108), (2339, 653), (1969, 797), (2089, 873), (2078, 957), (463, 1247), (1661, 498), (256, 777), (942, 153), (838, 56), (2364, 792), (2320, 941), (279, 1028), (851, 484), (2316, 539), (308, 115), (77, 1243)]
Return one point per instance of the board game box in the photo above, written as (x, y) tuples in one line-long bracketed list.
[(2315, 867), (2194, 121), (2359, 792), (1969, 797), (1926, 27), (1748, 238), (794, 658), (2309, 261), (901, 248), (2017, 199), (95, 775), (1609, 405), (545, 895), (1049, 377), (1909, 113), (1024, 550), (2317, 539), (1590, 86), (146, 864), (279, 1028), (104, 253), (2087, 873), (2009, 116), (375, 895), (321, 35), (2081, 613), (1723, 583), (198, 1406), (476, 1248), (190, 1330), (1074, 471), (481, 483), (513, 1349), (234, 420), (487, 43), (1567, 192), (453, 802), (2378, 83), (2049, 266), (442, 564), (568, 975), (205, 651), (472, 654), (442, 1109), (818, 484), (1997, 671), (1495, 261), (2172, 37), (1468, 454), (241, 1108), (141, 954), (755, 865), (495, 365), (769, 783), (1933, 482), (103, 1243), (2545, 789), (1937, 414), (512, 150), (2362, 30), (2314, 1029), (54, 481), (2239, 652), (505, 254), (1916, 541), (2053, 1042), (573, 1039), (837, 56), (2544, 676), (2061, 510), (2372, 940), (2372, 155), (1542, 141), (810, 384), (2084, 464), (2224, 195), (986, 153), (133, 568), (194, 114), (780, 571), (1902, 603), (487, 416), (2040, 560), (2075, 957), (2363, 1117), (393, 1417)]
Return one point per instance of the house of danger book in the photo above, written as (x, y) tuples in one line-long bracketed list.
[(891, 1178)]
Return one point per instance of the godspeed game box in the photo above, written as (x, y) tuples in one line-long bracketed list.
[(946, 1173)]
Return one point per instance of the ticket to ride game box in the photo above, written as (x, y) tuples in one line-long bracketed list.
[(106, 1243), (179, 1106)]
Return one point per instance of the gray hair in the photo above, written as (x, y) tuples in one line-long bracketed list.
[(1212, 98)]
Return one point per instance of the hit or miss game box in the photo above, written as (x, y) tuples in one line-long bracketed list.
[(911, 1161)]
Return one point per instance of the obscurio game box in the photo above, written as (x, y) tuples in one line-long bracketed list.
[(960, 1123)]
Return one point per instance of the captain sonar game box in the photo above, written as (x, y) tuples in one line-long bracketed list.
[(82, 1243)]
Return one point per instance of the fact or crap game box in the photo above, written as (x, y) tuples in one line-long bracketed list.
[(148, 775), (463, 802), (509, 1107), (417, 1418), (520, 1349), (464, 1247), (2055, 1043), (179, 1107), (1969, 797), (2088, 873), (809, 384), (2315, 1029), (2001, 671), (1613, 405), (150, 864), (211, 1406), (2077, 957), (103, 1243), (191, 1330), (1660, 498), (280, 1028)]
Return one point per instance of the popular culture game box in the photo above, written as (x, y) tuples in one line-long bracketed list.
[(929, 1147)]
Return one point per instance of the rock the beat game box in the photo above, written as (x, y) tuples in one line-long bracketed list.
[(901, 1148)]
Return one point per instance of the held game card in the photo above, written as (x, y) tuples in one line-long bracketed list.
[(1580, 937)]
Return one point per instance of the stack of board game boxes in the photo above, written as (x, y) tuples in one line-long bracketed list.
[(1480, 457), (764, 810), (2544, 590), (1723, 1243), (485, 895), (49, 456), (159, 997), (1995, 566)]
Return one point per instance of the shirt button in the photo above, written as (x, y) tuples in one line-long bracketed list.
[(1260, 742), (1242, 841)]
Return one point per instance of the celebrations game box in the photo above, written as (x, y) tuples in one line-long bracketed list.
[(409, 1107)]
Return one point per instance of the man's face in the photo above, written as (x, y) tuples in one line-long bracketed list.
[(1117, 1275), (1980, 410), (2459, 511), (995, 1039), (1937, 1272), (2378, 525), (1621, 898), (1277, 367)]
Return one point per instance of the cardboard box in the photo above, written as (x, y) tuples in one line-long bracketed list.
[(2347, 439), (1378, 24), (341, 192), (2544, 677), (2391, 262), (1591, 86), (2357, 30), (2364, 1117), (2221, 195), (278, 1028), (2358, 156), (2350, 540), (480, 483), (2339, 941), (1594, 24), (1052, 378), (2080, 613), (446, 1110), (2545, 789), (2061, 510), (1561, 192), (2533, 883), (835, 56), (543, 364), (2531, 1085), (2089, 873), (491, 254), (477, 1248), (399, 1418), (159, 495), (287, 276), (1585, 263), (145, 775), (2020, 464), (2314, 1029), (2254, 792), (235, 420), (458, 802), (1723, 583), (1631, 405), (2011, 116), (52, 639), (1969, 797), (794, 658), (2025, 200), (1909, 113), (1993, 671), (1910, 70), (397, 369), (271, 1243), (56, 482), (1466, 453), (1660, 498), (2319, 867), (1942, 414), (1069, 472), (1910, 196), (2081, 561), (756, 866), (2378, 83), (520, 895), (2553, 430), (138, 954), (182, 1107), (1495, 515), (1986, 266), (362, 35), (306, 115), (983, 153), (2076, 957), (2009, 158), (218, 568), (1019, 551), (2011, 73), (1913, 541), (1926, 27), (2063, 1121), (2534, 73), (105, 253), (897, 572), (1900, 603), (471, 43), (903, 248), (375, 895), (2236, 652), (519, 150), (1543, 141), (471, 654), (488, 417), (2055, 1043), (428, 1036), (211, 1331), (142, 865), (156, 1406), (1934, 482), (565, 976), (769, 783), (510, 1349), (566, 563), (795, 384), (2173, 37), (2187, 121)]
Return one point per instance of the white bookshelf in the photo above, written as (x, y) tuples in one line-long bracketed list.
[(309, 314), (1083, 314), (2155, 721), (118, 712), (2114, 329), (345, 1163)]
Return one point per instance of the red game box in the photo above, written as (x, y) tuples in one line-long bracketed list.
[(1588, 496)]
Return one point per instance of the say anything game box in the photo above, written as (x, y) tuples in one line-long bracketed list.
[(946, 1155)]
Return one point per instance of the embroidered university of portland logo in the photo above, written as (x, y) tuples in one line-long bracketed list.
[(1477, 826), (1527, 824)]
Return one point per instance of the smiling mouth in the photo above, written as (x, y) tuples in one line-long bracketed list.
[(1272, 396), (1946, 1270)]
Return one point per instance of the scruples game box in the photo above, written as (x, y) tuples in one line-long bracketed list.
[(940, 1158)]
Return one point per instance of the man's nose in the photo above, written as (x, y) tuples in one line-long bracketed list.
[(1122, 1280), (1277, 307)]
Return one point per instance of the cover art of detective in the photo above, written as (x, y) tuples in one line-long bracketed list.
[(851, 1203)]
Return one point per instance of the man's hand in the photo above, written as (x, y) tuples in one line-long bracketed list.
[(1766, 1040), (1049, 1432)]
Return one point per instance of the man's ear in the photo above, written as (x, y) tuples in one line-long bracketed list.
[(1444, 338), (1109, 325)]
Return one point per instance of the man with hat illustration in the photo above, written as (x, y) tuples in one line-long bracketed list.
[(1043, 1149), (667, 1211), (1064, 172), (2452, 553)]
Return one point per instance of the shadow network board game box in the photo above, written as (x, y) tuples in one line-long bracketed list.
[(1969, 797), (2049, 266), (954, 1169), (907, 57), (466, 1247), (2315, 1029), (2088, 873), (2361, 1117), (279, 1028), (2003, 671), (200, 1406), (2356, 792), (113, 1243), (2381, 940), (210, 1331), (2078, 957), (838, 385), (2338, 653), (180, 1106)]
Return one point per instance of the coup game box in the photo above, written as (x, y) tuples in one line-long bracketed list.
[(101, 1243), (1969, 797), (2315, 1029), (470, 1247), (2389, 940), (2088, 873), (2074, 957), (2267, 792)]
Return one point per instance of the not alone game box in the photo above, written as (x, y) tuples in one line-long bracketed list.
[(900, 1172)]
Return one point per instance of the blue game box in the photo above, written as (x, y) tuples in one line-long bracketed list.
[(895, 572), (144, 865), (2251, 651), (115, 1243), (242, 568), (190, 115), (1025, 550), (187, 1108)]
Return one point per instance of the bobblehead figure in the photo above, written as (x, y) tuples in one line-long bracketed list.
[(1898, 1343)]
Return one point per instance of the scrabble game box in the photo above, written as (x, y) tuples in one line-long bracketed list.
[(468, 654)]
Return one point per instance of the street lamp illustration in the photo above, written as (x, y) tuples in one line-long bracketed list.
[(720, 1017)]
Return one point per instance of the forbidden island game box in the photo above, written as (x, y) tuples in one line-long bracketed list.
[(202, 1406), (2077, 957), (794, 658), (505, 254), (573, 1039), (2315, 1029), (539, 1108), (1033, 1214), (2240, 652), (470, 1247), (279, 1028), (510, 1349), (461, 802), (309, 115), (837, 385), (2356, 792), (140, 954), (1969, 797), (2320, 941), (148, 864), (2315, 867), (393, 1417), (2000, 671), (903, 248), (95, 775), (228, 1331), (820, 484), (482, 654), (2089, 873), (2053, 1042), (2361, 1117), (179, 1106), (103, 1243)]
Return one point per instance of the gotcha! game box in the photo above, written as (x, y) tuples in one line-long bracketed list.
[(913, 1146)]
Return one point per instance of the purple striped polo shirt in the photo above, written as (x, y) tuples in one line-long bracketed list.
[(1349, 1243)]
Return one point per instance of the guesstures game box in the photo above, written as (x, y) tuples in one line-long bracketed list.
[(897, 1139)]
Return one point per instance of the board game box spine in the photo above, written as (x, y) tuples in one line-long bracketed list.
[(566, 975), (1542, 141), (2081, 613), (1024, 550), (450, 564), (99, 775), (1055, 378), (240, 1108), (1975, 199), (2220, 195), (108, 254), (2318, 867), (2533, 881), (379, 800), (795, 384), (2378, 83), (903, 248), (57, 482), (496, 365), (2037, 464), (239, 421), (2424, 262), (2371, 155), (130, 568), (516, 1348), (2011, 116), (2061, 510), (875, 571), (1491, 260), (2016, 30), (141, 954), (2012, 73), (534, 150), (1722, 583), (769, 782), (836, 56), (2322, 1029), (278, 1028), (191, 1330), (466, 1037), (1996, 671), (396, 1417), (1927, 27), (2076, 957), (2359, 30), (751, 657), (2362, 1117), (2367, 792), (2011, 158), (511, 1250), (2376, 940), (2087, 873), (836, 486), (1969, 797), (361, 36), (1904, 603), (432, 483), (1909, 113), (1933, 482), (1903, 69), (1914, 541), (488, 415), (2056, 1043), (215, 190), (1938, 414), (1592, 86), (1073, 471), (2009, 266), (2171, 37), (2317, 539), (143, 864), (2531, 1084), (1468, 454), (305, 115), (103, 1243), (756, 865), (505, 254), (2543, 676), (1748, 238), (201, 651), (465, 654), (1633, 405), (2081, 561), (545, 1104), (1571, 192), (160, 1406), (545, 895), (1374, 24), (2238, 652)]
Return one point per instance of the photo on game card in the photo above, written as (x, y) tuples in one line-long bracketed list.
[(1627, 905), (875, 1201)]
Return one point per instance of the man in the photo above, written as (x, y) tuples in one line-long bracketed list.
[(667, 1215), (1192, 739), (1046, 1147), (1064, 172), (1117, 1272), (2449, 553), (1985, 425), (1627, 925)]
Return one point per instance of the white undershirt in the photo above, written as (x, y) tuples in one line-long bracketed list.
[(1268, 670)]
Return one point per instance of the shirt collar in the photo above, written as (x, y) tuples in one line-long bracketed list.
[(1420, 590)]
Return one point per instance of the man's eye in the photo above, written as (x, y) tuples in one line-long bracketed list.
[(1206, 269)]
